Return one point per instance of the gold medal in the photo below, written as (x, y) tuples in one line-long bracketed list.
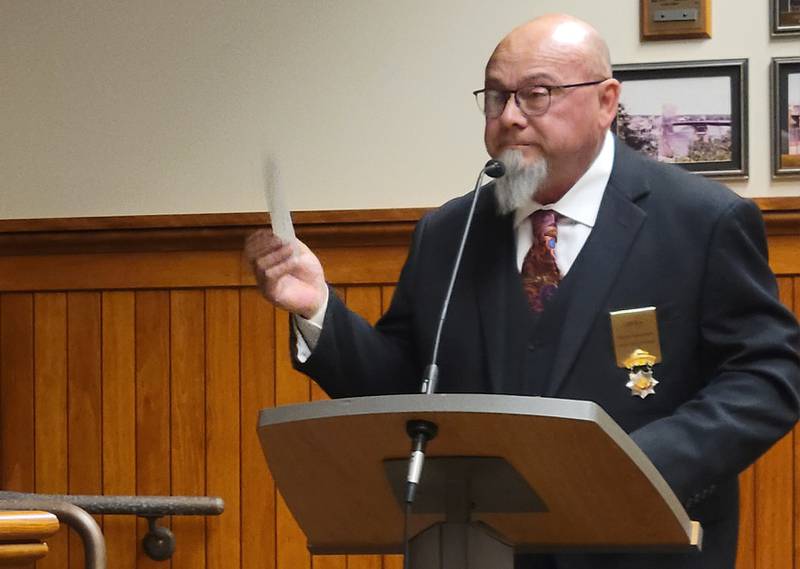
[(640, 373)]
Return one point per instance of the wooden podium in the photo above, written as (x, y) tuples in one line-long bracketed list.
[(536, 474)]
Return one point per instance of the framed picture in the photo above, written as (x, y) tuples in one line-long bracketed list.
[(690, 113), (786, 116), (785, 16)]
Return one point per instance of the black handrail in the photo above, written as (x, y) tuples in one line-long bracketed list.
[(158, 542), (144, 506)]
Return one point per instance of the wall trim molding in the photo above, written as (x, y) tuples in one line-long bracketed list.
[(227, 231), (200, 232)]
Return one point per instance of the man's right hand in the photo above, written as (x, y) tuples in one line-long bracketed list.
[(288, 274)]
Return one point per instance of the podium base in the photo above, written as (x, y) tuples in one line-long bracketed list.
[(459, 546)]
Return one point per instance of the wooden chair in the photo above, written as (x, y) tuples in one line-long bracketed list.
[(22, 535)]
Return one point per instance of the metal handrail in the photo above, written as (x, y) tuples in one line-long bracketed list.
[(158, 542), (78, 519), (144, 506)]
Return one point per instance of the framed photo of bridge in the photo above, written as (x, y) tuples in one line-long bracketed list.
[(785, 17), (786, 116), (689, 113)]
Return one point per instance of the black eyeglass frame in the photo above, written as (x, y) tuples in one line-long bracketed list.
[(548, 88)]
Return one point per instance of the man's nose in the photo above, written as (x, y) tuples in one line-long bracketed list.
[(512, 114)]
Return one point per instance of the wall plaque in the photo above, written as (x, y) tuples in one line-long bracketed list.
[(675, 19)]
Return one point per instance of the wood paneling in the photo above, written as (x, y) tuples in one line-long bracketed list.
[(50, 373), (17, 395), (745, 557), (774, 481), (124, 271), (152, 340), (327, 561), (135, 354), (366, 301), (119, 421), (84, 402), (188, 416), (774, 513), (182, 269), (223, 468), (257, 323), (17, 391), (290, 387)]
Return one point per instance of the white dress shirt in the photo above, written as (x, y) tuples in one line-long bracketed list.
[(578, 209)]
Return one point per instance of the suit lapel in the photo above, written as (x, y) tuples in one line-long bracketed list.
[(599, 262), (494, 251)]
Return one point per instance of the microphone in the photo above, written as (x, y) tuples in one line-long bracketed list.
[(430, 377), (422, 431), (494, 169)]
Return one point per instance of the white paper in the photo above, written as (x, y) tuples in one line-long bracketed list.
[(276, 202)]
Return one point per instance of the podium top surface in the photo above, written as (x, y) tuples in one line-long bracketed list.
[(599, 489), (440, 403)]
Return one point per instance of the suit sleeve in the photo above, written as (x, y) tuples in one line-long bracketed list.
[(353, 359), (749, 357)]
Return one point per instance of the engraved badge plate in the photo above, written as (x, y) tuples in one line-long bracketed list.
[(635, 329)]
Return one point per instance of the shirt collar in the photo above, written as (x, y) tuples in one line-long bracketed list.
[(582, 202)]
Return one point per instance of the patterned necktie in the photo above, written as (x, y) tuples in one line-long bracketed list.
[(540, 276)]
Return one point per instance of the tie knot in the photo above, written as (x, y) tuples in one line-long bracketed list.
[(544, 223)]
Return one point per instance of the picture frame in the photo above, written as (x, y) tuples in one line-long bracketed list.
[(689, 113), (785, 17), (785, 87)]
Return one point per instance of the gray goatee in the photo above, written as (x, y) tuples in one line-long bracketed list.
[(521, 181)]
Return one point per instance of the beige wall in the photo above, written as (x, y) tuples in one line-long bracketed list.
[(117, 108)]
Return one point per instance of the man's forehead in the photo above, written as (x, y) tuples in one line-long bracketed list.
[(529, 63), (496, 78), (541, 46)]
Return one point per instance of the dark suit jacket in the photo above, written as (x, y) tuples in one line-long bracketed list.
[(663, 237)]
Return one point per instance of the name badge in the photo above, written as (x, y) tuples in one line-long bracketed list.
[(635, 329), (637, 347)]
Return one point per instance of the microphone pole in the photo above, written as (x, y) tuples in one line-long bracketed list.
[(422, 431), (430, 377)]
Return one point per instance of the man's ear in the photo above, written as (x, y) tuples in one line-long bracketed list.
[(609, 101)]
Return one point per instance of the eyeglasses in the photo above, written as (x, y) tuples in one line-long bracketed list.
[(532, 100)]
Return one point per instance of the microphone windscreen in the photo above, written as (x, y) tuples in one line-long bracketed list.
[(494, 169)]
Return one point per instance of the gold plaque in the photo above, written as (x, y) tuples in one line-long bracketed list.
[(635, 329), (675, 19)]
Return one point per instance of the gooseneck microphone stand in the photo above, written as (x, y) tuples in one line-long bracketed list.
[(421, 431)]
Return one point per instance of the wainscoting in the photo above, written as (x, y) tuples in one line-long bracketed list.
[(135, 353)]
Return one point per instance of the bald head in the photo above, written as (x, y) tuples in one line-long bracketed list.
[(574, 40), (564, 99)]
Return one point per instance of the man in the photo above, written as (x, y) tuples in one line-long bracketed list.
[(579, 227)]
